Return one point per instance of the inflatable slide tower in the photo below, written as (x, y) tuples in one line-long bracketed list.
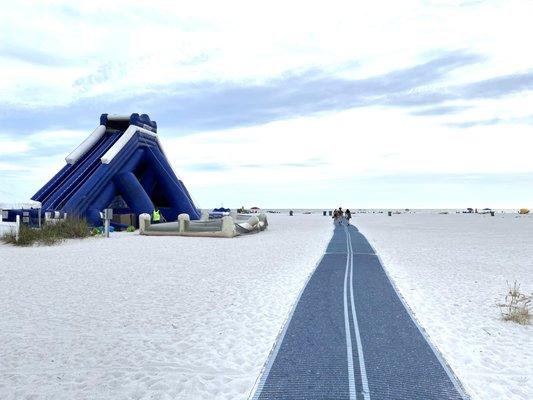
[(121, 165)]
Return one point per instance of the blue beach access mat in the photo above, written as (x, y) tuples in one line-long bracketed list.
[(351, 337)]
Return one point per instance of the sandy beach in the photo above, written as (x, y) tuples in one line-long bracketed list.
[(150, 317), (137, 317), (166, 172), (452, 271)]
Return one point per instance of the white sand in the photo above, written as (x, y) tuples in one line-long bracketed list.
[(193, 318), (452, 271), (150, 317)]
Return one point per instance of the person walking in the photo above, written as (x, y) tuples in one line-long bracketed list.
[(348, 215)]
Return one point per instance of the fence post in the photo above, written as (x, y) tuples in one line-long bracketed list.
[(108, 215), (17, 227)]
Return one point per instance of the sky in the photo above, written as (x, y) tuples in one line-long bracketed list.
[(382, 104)]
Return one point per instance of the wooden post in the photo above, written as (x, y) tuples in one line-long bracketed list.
[(17, 227)]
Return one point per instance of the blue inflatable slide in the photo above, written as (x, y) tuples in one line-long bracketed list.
[(121, 165)]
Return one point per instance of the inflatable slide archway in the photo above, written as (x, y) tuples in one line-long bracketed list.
[(122, 161)]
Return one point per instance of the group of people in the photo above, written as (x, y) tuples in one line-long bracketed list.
[(339, 215)]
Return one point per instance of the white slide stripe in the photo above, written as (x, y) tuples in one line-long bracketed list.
[(122, 141), (86, 145)]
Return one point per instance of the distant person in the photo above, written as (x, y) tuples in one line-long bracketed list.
[(348, 215), (156, 216), (337, 216)]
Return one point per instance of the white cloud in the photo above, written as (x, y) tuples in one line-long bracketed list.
[(12, 146), (54, 53), (358, 142), (324, 156), (11, 167), (141, 44), (57, 136)]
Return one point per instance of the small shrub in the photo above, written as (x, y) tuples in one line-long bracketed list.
[(49, 234), (516, 306), (69, 228), (9, 238), (27, 236), (130, 228)]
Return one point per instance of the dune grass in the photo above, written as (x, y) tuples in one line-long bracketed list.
[(517, 305), (50, 234)]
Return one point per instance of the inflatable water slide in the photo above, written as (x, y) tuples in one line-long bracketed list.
[(227, 226), (123, 163)]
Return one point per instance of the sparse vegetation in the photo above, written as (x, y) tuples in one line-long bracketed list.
[(130, 228), (49, 234), (517, 305)]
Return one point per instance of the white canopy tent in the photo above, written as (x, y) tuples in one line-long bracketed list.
[(25, 205)]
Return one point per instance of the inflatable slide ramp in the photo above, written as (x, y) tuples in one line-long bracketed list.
[(121, 162), (220, 227)]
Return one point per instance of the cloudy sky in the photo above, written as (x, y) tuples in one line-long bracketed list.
[(417, 104)]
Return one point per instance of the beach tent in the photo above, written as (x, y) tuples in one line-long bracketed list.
[(28, 211)]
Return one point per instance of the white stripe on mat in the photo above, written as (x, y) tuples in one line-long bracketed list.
[(364, 379), (349, 350)]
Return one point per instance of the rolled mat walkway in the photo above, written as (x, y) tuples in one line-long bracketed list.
[(351, 337)]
